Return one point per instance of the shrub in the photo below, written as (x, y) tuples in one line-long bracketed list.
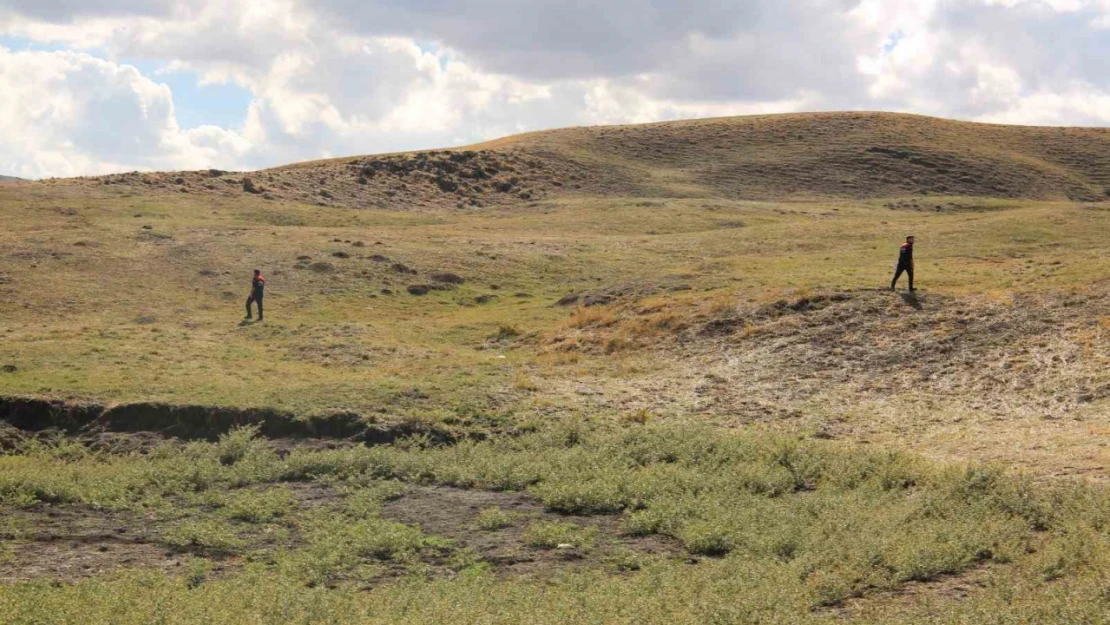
[(206, 537), (522, 382), (592, 316), (259, 506), (236, 444), (505, 333), (705, 538), (366, 502), (492, 519), (197, 572), (554, 534)]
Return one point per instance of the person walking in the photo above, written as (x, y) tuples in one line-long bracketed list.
[(905, 263), (258, 286)]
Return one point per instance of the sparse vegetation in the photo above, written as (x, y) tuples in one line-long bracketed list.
[(204, 537), (259, 507), (687, 403), (789, 526), (558, 535), (492, 519)]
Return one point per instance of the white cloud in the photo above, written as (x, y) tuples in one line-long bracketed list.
[(67, 113), (332, 77)]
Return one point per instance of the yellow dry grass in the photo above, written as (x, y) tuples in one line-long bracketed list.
[(131, 291)]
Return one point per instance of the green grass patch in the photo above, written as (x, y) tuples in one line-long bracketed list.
[(263, 506), (789, 526), (560, 535), (208, 537), (493, 519)]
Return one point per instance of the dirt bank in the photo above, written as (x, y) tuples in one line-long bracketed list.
[(90, 421)]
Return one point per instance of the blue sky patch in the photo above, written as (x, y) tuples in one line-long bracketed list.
[(18, 44), (196, 105)]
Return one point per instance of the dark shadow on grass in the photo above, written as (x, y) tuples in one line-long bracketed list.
[(910, 298)]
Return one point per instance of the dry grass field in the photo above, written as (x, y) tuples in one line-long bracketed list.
[(650, 372)]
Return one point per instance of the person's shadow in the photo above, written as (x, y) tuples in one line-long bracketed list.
[(248, 322), (910, 298)]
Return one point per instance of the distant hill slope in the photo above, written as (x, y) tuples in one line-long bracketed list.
[(769, 157), (4, 179), (840, 155)]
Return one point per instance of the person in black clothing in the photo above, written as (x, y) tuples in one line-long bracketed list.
[(905, 263), (258, 285)]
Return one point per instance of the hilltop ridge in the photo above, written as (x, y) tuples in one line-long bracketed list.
[(768, 157)]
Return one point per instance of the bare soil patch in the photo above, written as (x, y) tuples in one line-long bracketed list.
[(1042, 351), (948, 588), (1047, 350), (453, 513), (70, 542), (66, 543), (1020, 380)]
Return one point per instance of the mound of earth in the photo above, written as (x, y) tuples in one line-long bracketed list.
[(1031, 354), (1046, 348), (767, 157), (416, 181)]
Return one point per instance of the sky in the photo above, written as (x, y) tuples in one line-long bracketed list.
[(90, 88)]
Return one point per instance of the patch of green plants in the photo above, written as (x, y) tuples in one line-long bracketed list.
[(197, 572), (779, 526), (560, 535), (264, 506), (208, 537), (365, 500), (337, 548), (493, 519)]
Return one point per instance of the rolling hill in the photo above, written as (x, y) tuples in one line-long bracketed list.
[(646, 374), (772, 157)]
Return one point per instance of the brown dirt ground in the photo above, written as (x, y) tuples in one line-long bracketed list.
[(950, 588), (66, 543), (70, 542), (1021, 380), (453, 513)]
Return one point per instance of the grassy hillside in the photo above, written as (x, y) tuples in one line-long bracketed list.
[(776, 157), (856, 155), (644, 373), (112, 297)]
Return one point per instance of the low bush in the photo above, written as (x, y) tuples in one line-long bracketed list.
[(557, 534), (492, 519), (203, 537)]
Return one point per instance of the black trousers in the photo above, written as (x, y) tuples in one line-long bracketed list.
[(897, 274), (252, 299)]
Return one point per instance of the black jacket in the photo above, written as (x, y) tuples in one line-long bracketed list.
[(905, 255)]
